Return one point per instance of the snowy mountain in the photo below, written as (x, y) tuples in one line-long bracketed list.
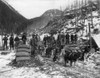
[(76, 20)]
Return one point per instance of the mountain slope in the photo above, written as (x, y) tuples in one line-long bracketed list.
[(68, 20), (42, 21), (10, 19)]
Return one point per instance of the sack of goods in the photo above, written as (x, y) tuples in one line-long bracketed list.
[(23, 53)]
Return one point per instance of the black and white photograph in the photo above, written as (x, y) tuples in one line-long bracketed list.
[(49, 38)]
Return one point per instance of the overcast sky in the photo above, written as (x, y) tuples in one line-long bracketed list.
[(35, 8)]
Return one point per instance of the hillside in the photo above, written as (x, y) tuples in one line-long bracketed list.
[(53, 19), (40, 22), (76, 20), (10, 19)]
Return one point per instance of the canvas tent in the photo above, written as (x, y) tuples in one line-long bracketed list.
[(97, 39)]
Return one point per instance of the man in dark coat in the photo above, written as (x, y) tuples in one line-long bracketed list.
[(72, 38), (33, 44), (75, 38), (5, 39), (24, 38), (16, 41), (11, 42), (67, 38)]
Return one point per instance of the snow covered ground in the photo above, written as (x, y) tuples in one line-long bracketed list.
[(49, 69)]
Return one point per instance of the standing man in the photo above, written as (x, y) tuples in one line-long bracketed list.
[(67, 38), (63, 39), (11, 43), (76, 38), (16, 41), (59, 39), (45, 40), (72, 38), (24, 38), (5, 39), (33, 44)]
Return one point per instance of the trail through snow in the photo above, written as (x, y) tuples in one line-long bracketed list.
[(47, 70)]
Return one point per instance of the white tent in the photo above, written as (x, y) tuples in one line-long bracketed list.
[(97, 39)]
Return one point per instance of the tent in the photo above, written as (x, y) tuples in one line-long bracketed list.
[(97, 39)]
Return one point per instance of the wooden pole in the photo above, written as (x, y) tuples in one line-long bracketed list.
[(91, 15), (90, 43), (76, 4), (91, 23), (86, 16)]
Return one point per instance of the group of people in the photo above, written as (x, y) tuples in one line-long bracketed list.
[(11, 42), (50, 46), (63, 46), (62, 39)]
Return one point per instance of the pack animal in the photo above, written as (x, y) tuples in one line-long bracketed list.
[(70, 56)]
